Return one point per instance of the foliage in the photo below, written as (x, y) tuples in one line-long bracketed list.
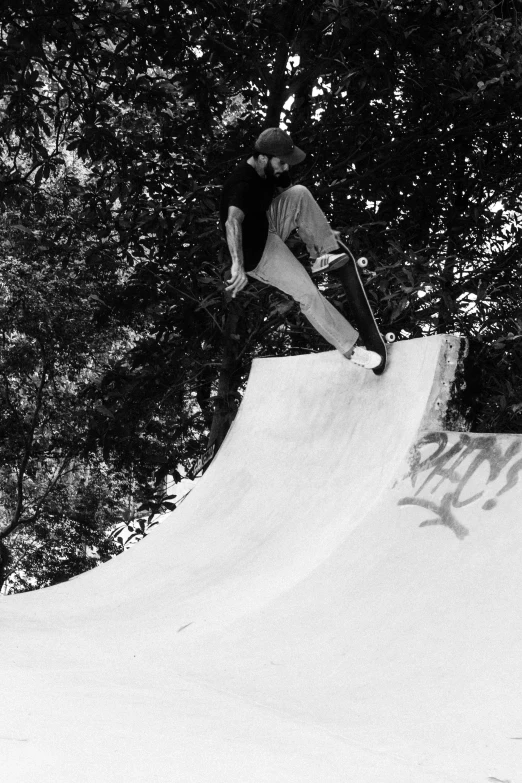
[(55, 339), (71, 533)]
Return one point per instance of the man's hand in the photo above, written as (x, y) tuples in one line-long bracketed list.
[(237, 280)]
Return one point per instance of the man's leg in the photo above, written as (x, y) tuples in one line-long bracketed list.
[(297, 208), (280, 268)]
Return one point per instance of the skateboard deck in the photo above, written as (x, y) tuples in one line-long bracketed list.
[(360, 308)]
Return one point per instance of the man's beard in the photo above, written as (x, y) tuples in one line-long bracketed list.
[(270, 174)]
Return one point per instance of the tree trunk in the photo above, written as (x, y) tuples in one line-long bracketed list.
[(276, 98), (4, 562), (225, 400)]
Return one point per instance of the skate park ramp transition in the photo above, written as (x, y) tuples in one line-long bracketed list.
[(338, 600)]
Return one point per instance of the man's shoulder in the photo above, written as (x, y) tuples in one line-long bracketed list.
[(243, 172)]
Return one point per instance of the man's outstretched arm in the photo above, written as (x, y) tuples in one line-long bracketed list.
[(238, 279)]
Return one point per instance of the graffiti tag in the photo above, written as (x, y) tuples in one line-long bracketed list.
[(444, 479)]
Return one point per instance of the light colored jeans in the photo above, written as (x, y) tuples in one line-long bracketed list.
[(297, 208)]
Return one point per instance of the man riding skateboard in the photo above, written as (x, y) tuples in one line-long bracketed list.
[(259, 210)]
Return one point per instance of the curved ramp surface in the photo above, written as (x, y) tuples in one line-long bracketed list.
[(336, 601)]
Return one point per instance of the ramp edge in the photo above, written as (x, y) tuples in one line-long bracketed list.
[(443, 409)]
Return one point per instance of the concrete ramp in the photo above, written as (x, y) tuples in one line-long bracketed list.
[(336, 601)]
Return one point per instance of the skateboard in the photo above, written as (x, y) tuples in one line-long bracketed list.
[(360, 308)]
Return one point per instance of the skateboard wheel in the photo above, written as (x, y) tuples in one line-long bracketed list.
[(362, 262), (390, 337)]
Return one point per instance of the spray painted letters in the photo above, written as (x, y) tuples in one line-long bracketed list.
[(462, 471)]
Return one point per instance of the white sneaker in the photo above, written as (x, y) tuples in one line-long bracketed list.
[(329, 261), (363, 358)]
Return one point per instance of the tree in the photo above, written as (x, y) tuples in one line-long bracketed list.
[(55, 339)]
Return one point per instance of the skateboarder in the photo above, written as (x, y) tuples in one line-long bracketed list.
[(259, 210)]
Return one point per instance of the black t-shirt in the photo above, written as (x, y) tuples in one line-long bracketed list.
[(253, 195)]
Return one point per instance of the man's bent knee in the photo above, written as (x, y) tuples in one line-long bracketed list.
[(299, 191)]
